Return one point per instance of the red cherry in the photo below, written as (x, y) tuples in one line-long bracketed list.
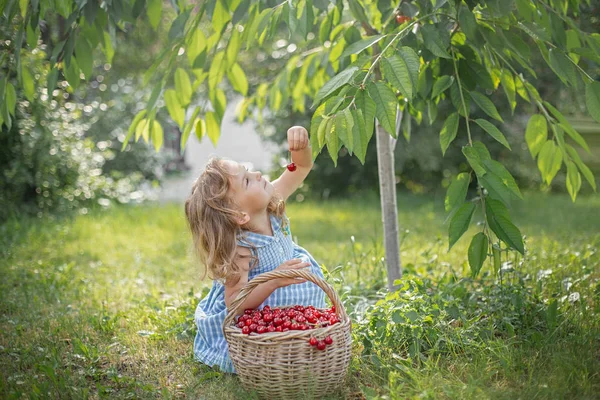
[(291, 167), (253, 327), (279, 328), (295, 326), (241, 324), (245, 330), (287, 325), (271, 328), (248, 311), (248, 322), (321, 345), (328, 340), (313, 341)]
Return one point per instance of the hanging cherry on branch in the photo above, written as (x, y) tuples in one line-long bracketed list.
[(402, 18)]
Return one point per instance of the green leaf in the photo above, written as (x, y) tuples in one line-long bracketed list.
[(449, 131), (549, 161), (157, 135), (196, 45), (562, 67), (334, 84), (536, 133), (495, 187), (508, 84), (10, 98), (324, 127), (183, 87), (406, 125), (238, 79), (108, 48), (443, 83), (367, 107), (467, 22), (500, 223), (496, 257), (132, 128), (255, 29), (567, 127), (460, 223), (592, 99), (361, 135), (478, 250), (52, 78), (346, 135), (178, 25), (432, 111), (83, 51), (493, 131), (28, 84), (220, 16), (325, 28), (219, 102), (413, 63), (486, 105), (395, 71), (234, 46), (587, 173), (154, 10), (200, 129), (495, 168), (32, 36), (385, 105), (188, 128), (142, 130), (213, 127), (457, 191), (361, 45), (332, 136), (175, 110), (474, 160), (217, 70), (71, 73), (315, 124), (573, 180), (433, 41), (23, 6)]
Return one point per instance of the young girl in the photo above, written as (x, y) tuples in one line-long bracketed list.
[(238, 223)]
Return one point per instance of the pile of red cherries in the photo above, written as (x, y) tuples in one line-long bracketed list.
[(295, 318)]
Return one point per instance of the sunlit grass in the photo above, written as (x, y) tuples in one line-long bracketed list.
[(102, 304)]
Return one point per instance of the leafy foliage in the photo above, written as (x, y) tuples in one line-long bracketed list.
[(365, 66)]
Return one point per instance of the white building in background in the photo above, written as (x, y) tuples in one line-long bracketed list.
[(237, 142)]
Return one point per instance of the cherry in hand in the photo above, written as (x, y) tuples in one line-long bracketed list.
[(291, 167)]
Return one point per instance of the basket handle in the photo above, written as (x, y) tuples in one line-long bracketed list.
[(267, 276)]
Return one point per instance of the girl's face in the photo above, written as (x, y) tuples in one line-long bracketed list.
[(250, 190)]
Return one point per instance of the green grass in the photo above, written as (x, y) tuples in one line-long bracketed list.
[(101, 305)]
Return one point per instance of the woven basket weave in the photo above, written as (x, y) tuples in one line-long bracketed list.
[(283, 365)]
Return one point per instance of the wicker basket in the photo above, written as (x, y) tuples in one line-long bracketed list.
[(283, 365)]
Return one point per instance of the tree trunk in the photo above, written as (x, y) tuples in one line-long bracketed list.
[(389, 211)]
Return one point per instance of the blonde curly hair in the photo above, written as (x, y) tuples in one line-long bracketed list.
[(213, 216)]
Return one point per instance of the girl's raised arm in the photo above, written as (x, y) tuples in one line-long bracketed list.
[(299, 146)]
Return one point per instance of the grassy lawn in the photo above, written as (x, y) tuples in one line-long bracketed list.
[(101, 305)]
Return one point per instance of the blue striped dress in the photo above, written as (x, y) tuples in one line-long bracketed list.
[(210, 346)]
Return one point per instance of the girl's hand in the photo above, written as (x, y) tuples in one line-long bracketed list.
[(294, 263), (297, 138)]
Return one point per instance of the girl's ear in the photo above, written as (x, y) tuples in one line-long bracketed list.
[(243, 218)]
